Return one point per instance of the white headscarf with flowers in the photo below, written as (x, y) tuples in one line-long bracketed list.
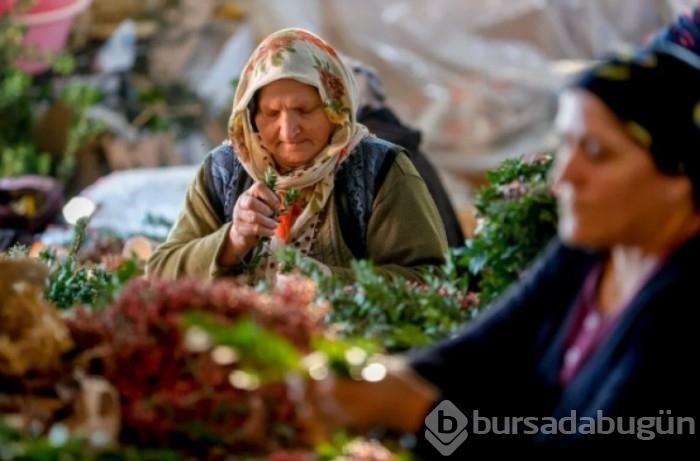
[(298, 54)]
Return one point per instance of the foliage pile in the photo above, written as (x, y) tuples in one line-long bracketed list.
[(397, 313), (211, 358), (517, 217), (185, 397)]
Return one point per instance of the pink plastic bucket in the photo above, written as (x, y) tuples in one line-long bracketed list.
[(48, 30), (6, 5), (39, 6)]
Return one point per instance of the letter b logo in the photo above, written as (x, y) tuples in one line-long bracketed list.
[(446, 424), (447, 428)]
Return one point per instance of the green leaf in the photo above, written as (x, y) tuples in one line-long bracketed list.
[(263, 353)]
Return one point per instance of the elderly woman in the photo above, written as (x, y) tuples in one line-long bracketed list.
[(355, 196), (591, 352)]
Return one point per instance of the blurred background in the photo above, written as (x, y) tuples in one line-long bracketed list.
[(107, 107)]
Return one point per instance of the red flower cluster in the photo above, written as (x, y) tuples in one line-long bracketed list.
[(301, 35), (333, 85), (275, 46), (175, 398), (288, 217)]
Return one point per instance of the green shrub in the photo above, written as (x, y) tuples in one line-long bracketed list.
[(517, 216), (23, 96)]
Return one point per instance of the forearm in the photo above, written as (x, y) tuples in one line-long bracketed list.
[(196, 257), (399, 402), (407, 401), (232, 252), (196, 242)]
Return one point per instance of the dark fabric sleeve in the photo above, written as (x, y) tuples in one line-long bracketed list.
[(406, 237), (496, 365), (195, 240), (491, 365)]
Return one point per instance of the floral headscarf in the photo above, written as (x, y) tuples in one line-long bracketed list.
[(298, 54)]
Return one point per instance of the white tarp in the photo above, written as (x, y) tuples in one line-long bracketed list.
[(126, 199), (478, 77)]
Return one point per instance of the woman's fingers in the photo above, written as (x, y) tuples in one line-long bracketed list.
[(253, 203), (253, 218), (253, 214), (262, 222), (264, 195), (251, 223)]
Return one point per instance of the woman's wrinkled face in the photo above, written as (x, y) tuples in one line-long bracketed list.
[(292, 122), (609, 191)]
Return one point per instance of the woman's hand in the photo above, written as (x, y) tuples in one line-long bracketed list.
[(253, 218), (399, 401)]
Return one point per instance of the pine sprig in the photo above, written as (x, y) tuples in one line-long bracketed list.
[(397, 313), (73, 282), (518, 218)]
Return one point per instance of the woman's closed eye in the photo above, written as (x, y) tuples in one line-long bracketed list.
[(308, 110), (269, 113), (302, 111), (590, 147)]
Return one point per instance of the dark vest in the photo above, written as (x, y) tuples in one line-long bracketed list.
[(356, 185)]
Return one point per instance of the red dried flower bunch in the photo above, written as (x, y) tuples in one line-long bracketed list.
[(174, 397)]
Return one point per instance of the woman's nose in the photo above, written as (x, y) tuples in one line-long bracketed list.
[(566, 168), (289, 126)]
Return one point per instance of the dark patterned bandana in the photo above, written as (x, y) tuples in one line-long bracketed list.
[(684, 31), (656, 95)]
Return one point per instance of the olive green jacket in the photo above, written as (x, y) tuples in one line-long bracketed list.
[(405, 233)]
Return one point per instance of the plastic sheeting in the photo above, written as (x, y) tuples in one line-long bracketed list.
[(478, 77), (127, 200)]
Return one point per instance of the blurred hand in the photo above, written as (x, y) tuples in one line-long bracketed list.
[(137, 245), (316, 428), (399, 401)]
